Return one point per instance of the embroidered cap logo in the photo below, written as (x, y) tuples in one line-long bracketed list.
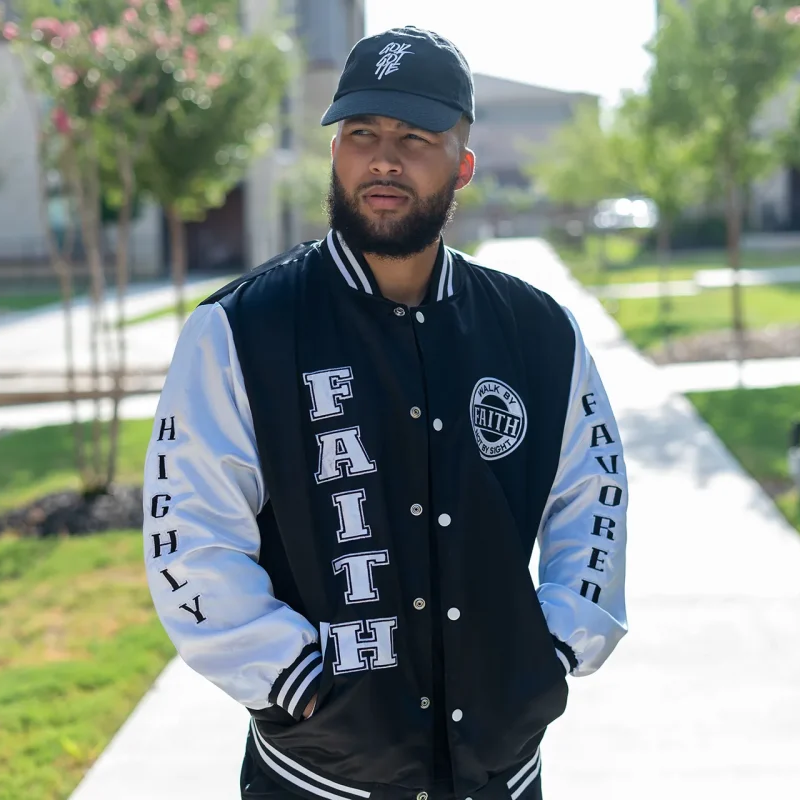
[(390, 58)]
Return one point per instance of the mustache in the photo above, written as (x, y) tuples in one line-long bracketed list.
[(389, 184)]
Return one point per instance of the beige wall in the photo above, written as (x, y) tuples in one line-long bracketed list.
[(20, 226)]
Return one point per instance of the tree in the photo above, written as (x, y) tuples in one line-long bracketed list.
[(109, 92), (671, 170), (716, 63), (221, 92), (577, 165)]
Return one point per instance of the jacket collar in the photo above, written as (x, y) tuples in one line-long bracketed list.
[(356, 272)]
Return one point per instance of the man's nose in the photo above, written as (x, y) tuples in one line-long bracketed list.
[(386, 159)]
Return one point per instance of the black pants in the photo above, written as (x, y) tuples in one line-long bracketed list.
[(256, 785)]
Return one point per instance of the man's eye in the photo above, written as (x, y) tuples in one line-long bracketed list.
[(360, 132), (414, 136)]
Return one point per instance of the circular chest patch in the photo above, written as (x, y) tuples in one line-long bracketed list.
[(498, 416)]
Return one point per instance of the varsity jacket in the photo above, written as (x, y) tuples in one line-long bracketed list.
[(342, 496)]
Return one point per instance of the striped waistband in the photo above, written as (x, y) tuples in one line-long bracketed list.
[(309, 783)]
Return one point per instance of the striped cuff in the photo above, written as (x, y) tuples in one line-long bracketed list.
[(566, 655), (298, 683)]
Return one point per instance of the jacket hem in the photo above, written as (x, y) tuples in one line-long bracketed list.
[(303, 780)]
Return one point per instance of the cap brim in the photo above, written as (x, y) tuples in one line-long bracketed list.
[(421, 112)]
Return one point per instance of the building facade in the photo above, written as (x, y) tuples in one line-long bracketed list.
[(512, 120)]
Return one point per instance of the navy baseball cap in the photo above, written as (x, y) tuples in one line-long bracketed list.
[(409, 74)]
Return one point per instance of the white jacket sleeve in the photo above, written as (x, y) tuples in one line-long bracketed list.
[(203, 489), (582, 536)]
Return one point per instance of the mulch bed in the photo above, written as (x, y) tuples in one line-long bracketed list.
[(779, 341), (74, 513)]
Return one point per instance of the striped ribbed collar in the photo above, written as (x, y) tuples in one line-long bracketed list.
[(356, 272)]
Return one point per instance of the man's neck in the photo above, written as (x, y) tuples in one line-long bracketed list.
[(404, 280)]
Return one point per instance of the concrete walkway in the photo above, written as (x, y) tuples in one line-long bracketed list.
[(34, 340), (761, 373), (703, 279), (701, 699)]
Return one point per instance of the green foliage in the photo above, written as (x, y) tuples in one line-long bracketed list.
[(304, 183), (208, 139), (577, 166), (716, 63), (175, 83), (80, 644), (651, 160)]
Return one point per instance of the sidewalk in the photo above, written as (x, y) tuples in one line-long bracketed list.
[(34, 340), (701, 699)]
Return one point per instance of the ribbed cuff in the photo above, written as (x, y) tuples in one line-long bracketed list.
[(298, 683), (567, 652)]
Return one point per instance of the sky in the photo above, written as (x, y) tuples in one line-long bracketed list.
[(577, 45)]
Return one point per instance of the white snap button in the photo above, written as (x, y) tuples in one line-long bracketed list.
[(419, 604), (458, 714), (416, 509), (454, 613), (420, 316), (444, 520), (422, 796), (437, 424), (416, 413), (400, 312), (424, 702)]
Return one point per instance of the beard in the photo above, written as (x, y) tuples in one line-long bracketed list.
[(391, 237)]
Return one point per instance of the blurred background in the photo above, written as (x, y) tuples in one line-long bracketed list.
[(639, 159)]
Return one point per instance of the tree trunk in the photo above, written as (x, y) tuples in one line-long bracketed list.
[(123, 238), (664, 299), (87, 183), (61, 262), (178, 256), (733, 213)]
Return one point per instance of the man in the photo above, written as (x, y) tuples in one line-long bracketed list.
[(355, 450)]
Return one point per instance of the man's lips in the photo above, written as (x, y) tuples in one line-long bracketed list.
[(384, 198)]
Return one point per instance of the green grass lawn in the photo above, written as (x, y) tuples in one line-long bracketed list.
[(707, 311), (12, 300), (627, 264), (168, 311), (754, 425), (80, 644), (38, 461)]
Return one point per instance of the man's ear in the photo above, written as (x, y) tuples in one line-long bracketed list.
[(333, 147), (466, 168)]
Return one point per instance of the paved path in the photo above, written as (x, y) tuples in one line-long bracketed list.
[(701, 699), (35, 340), (761, 373), (703, 279)]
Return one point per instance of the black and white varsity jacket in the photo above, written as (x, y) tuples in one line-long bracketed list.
[(342, 496)]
